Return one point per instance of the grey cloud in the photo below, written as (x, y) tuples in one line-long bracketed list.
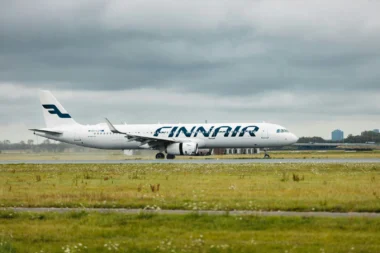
[(247, 59), (105, 46)]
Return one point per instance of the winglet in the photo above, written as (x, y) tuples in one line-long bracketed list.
[(112, 128)]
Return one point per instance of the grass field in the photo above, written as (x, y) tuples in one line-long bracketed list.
[(92, 232), (120, 156), (302, 187)]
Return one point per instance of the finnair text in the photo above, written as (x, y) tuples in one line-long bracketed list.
[(211, 132)]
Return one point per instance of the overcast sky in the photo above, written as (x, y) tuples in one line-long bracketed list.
[(311, 66)]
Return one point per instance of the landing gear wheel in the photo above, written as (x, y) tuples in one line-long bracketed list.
[(170, 157), (160, 156), (266, 156)]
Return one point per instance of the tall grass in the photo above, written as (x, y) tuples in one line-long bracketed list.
[(305, 187)]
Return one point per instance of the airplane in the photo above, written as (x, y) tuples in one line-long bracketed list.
[(172, 139)]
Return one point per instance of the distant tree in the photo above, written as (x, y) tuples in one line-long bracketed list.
[(366, 136), (30, 142), (314, 139), (21, 145), (5, 144)]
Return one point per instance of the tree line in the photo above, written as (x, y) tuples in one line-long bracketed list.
[(45, 146), (364, 137)]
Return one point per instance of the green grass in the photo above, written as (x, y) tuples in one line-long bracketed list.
[(93, 232), (321, 187)]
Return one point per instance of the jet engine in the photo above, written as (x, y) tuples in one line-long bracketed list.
[(187, 148)]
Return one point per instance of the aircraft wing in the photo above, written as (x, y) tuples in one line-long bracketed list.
[(151, 141), (45, 131)]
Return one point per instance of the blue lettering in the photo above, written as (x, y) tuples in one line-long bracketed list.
[(218, 129), (236, 131), (226, 130), (203, 131), (185, 132), (251, 133), (173, 131), (158, 131)]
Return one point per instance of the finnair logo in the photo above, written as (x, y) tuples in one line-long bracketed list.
[(52, 109), (212, 132)]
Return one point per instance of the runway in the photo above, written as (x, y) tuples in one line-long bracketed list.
[(206, 212), (196, 161)]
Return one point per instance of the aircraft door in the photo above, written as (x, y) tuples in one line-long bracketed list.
[(264, 133)]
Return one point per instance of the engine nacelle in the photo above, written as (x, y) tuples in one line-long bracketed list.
[(187, 148)]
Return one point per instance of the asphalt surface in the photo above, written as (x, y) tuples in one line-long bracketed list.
[(196, 161), (184, 212)]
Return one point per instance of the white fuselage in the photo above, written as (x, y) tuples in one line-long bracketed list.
[(236, 135)]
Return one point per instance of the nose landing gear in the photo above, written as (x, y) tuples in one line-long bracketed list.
[(266, 155)]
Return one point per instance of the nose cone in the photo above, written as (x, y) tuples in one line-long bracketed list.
[(293, 138)]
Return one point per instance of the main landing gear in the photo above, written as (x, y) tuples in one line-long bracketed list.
[(160, 156), (170, 157)]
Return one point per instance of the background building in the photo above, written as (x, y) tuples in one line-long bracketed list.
[(337, 135), (376, 131), (229, 151)]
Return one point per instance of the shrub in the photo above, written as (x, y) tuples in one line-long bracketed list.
[(297, 178)]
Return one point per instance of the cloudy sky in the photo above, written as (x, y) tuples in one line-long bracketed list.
[(311, 66)]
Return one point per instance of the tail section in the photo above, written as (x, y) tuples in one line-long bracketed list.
[(54, 113)]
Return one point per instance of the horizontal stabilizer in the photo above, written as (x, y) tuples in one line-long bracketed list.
[(45, 131)]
